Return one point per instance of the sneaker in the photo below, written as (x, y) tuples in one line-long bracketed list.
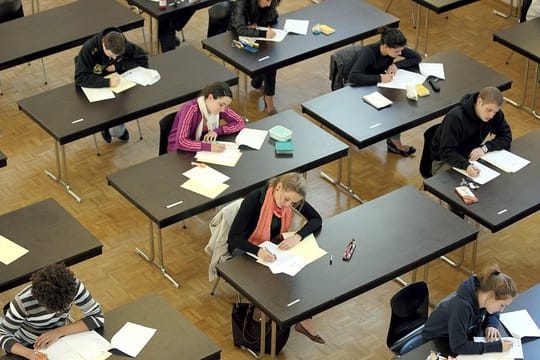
[(124, 136), (106, 136)]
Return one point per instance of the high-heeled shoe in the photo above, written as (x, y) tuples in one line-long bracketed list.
[(271, 112), (302, 330), (391, 147)]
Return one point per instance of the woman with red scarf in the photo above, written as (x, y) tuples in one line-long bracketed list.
[(265, 214)]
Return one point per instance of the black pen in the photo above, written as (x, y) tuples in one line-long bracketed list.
[(331, 259)]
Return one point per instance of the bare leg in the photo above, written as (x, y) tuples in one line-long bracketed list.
[(269, 101)]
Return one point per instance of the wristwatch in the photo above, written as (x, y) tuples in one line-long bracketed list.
[(484, 149)]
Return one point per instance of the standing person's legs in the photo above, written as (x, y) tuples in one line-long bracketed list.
[(269, 91)]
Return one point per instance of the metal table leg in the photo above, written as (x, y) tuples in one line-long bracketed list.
[(61, 171), (337, 182), (524, 90), (160, 263)]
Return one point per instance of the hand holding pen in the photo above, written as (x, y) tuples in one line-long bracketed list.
[(473, 171), (266, 255), (270, 33)]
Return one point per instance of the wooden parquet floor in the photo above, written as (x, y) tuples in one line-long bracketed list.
[(353, 330)]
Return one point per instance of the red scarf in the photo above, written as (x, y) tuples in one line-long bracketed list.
[(269, 208)]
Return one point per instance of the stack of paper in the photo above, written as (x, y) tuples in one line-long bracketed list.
[(98, 94), (377, 100), (253, 138), (505, 160), (486, 174), (205, 181), (280, 35), (89, 345), (520, 324), (142, 76), (515, 352), (293, 260), (229, 157), (10, 251), (402, 78), (432, 69), (296, 26)]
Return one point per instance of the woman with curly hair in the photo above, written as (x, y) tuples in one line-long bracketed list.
[(38, 315)]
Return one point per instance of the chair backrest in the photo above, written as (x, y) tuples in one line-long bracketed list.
[(525, 5), (341, 62), (426, 159), (219, 16), (10, 10), (409, 314), (165, 126)]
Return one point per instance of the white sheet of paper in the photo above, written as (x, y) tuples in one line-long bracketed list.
[(131, 338), (377, 100), (254, 138), (86, 345), (124, 84), (206, 175), (520, 324), (433, 69), (210, 192), (296, 26), (516, 352), (308, 248), (280, 35), (229, 157), (505, 160), (142, 76), (10, 251), (402, 78), (285, 262), (486, 174), (98, 94)]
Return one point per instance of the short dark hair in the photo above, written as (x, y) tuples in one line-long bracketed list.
[(217, 89), (54, 287), (393, 38), (491, 95), (115, 42)]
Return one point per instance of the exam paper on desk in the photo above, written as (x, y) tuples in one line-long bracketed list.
[(229, 157), (280, 35), (10, 251), (515, 352), (486, 174), (293, 260), (402, 78), (520, 324), (505, 160)]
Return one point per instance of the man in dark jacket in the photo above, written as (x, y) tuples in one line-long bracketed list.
[(460, 138), (106, 53)]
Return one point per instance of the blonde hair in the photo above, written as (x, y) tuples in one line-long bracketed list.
[(492, 279), (294, 182)]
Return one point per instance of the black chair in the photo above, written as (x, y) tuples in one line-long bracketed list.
[(219, 16), (10, 10), (165, 126), (341, 62), (426, 159), (409, 314), (525, 4)]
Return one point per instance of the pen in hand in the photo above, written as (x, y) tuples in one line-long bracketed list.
[(271, 253)]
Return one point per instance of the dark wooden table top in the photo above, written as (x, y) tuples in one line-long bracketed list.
[(184, 72), (395, 233), (523, 38), (175, 338), (50, 234), (504, 200), (353, 21), (440, 6), (63, 27), (155, 183), (363, 125), (173, 7)]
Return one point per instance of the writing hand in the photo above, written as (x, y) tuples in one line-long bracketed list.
[(266, 255), (476, 153), (270, 33), (46, 339), (473, 171), (506, 345), (386, 77), (289, 242), (114, 81), (111, 68), (492, 334), (210, 136), (38, 355)]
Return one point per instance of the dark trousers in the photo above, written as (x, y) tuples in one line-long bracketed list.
[(167, 29), (269, 79)]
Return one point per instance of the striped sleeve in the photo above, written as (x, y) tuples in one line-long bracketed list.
[(234, 122), (93, 315), (187, 125)]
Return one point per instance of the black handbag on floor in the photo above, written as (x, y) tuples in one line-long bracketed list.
[(247, 331)]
